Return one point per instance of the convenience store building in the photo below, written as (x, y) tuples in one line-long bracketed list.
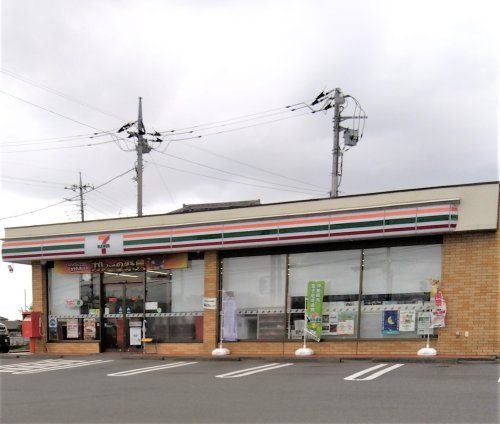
[(99, 284)]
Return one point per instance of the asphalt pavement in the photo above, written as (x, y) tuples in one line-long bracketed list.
[(106, 389)]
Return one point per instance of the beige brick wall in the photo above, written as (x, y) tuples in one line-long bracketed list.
[(39, 288), (471, 288), (73, 348), (211, 290)]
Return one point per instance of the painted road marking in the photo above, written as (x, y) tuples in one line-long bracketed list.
[(150, 369), (47, 365), (253, 370), (354, 377)]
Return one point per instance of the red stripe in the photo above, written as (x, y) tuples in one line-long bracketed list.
[(431, 227), (354, 233), (390, 230), (43, 256), (304, 237)]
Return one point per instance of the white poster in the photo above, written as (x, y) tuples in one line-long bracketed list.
[(135, 336), (407, 321), (230, 326), (209, 303), (72, 328)]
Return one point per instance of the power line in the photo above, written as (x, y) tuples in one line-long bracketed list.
[(231, 181), (236, 174), (58, 148), (66, 200), (251, 166), (41, 86)]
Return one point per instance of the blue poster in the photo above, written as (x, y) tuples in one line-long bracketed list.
[(391, 322)]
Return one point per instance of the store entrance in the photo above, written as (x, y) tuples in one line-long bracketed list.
[(123, 312)]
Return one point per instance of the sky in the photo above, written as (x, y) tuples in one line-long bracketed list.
[(424, 72)]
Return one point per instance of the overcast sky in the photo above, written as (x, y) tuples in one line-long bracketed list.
[(425, 73)]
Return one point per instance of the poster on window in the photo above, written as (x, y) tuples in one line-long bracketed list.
[(407, 321), (314, 309), (345, 325), (424, 323), (89, 328), (230, 326), (72, 328), (390, 324)]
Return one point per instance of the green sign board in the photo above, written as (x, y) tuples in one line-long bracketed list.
[(314, 310)]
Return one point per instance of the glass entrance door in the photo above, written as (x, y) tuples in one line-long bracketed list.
[(123, 311)]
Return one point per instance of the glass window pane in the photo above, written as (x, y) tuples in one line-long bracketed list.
[(188, 287), (341, 272), (396, 289), (258, 285)]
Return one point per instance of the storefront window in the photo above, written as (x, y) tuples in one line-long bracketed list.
[(254, 299), (340, 270), (174, 300), (396, 289), (73, 306)]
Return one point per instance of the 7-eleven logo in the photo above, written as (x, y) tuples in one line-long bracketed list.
[(103, 243)]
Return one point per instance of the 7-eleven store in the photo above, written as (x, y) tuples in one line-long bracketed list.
[(100, 284)]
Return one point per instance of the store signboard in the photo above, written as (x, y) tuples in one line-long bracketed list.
[(124, 264), (104, 244), (314, 309)]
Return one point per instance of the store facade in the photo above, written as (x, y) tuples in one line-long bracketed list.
[(160, 283)]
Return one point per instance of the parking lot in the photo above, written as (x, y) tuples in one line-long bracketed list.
[(102, 389)]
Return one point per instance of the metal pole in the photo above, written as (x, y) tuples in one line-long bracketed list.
[(82, 213), (339, 100), (140, 146)]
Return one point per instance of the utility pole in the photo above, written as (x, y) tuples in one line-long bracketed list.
[(81, 188), (339, 100), (352, 134), (142, 146)]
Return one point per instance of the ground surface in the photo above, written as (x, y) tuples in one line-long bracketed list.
[(105, 389)]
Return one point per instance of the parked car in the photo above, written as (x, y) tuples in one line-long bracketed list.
[(4, 339)]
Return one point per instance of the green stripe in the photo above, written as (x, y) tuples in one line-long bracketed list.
[(197, 237), (454, 217), (357, 225), (251, 233), (396, 221), (433, 218), (304, 229), (147, 241), (23, 249), (64, 247)]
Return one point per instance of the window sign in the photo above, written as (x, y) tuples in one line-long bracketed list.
[(314, 310), (407, 320), (89, 329), (391, 322), (72, 328)]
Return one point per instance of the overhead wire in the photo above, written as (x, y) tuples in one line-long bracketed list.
[(237, 174), (66, 200), (65, 96), (231, 181)]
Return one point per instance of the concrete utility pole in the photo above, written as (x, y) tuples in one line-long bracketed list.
[(141, 147), (81, 188), (338, 101)]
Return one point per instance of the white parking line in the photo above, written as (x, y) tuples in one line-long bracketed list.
[(149, 369), (354, 377), (253, 370), (62, 366), (46, 365)]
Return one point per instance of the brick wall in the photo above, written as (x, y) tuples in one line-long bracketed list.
[(211, 290), (39, 288), (471, 286), (72, 348)]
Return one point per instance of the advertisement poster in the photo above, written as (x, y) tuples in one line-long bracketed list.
[(89, 328), (390, 323), (438, 310), (314, 310), (346, 323), (135, 336), (209, 303), (423, 323), (334, 322), (229, 329), (72, 328), (407, 320)]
